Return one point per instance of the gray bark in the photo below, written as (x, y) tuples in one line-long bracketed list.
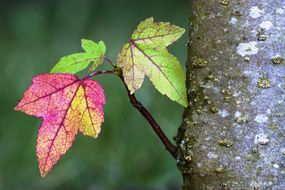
[(233, 132)]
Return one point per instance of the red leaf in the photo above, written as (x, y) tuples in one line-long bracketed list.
[(66, 104)]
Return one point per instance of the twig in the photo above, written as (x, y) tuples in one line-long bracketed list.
[(168, 145), (109, 61), (133, 100), (99, 73)]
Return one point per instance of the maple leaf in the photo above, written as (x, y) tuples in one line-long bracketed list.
[(74, 63), (66, 104), (146, 54)]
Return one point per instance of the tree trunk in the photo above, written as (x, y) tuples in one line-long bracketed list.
[(233, 132)]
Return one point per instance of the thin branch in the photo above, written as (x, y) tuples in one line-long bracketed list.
[(133, 100), (99, 73), (109, 61), (168, 145)]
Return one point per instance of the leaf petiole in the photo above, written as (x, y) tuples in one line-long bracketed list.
[(99, 73), (109, 61)]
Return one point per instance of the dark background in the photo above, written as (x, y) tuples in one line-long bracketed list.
[(127, 154)]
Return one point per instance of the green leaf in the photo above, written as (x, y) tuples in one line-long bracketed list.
[(74, 63), (90, 46), (146, 54), (158, 34)]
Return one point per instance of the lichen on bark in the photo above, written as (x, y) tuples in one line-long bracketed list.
[(233, 132)]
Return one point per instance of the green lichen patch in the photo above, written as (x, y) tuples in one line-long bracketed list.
[(219, 169), (243, 119), (199, 62), (224, 2), (279, 114), (261, 37), (255, 150), (227, 94), (263, 82), (188, 158), (277, 59), (274, 127), (247, 59), (214, 109), (199, 110), (225, 143), (256, 187), (212, 77), (227, 98)]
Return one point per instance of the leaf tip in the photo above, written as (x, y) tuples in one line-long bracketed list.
[(84, 41), (101, 43), (43, 174), (16, 108), (43, 170), (150, 18)]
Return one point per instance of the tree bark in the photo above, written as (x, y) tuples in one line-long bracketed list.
[(233, 132)]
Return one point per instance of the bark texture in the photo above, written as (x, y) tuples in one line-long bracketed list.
[(233, 133)]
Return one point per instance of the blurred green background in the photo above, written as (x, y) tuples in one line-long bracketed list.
[(127, 154)]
